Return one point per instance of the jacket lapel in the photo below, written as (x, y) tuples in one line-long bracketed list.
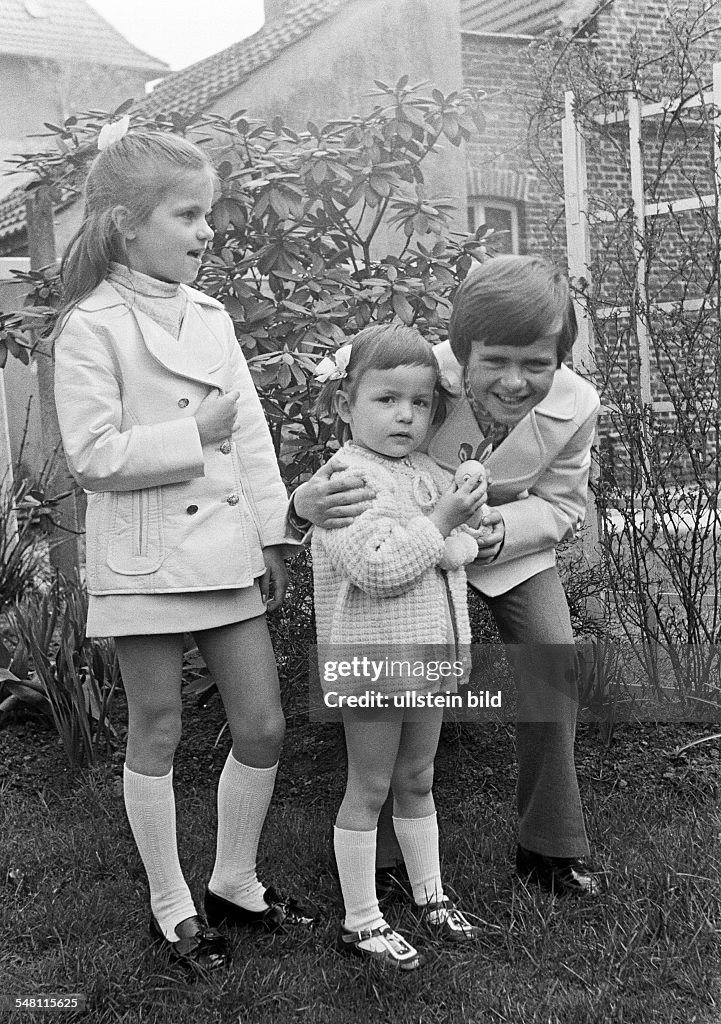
[(459, 432), (197, 354)]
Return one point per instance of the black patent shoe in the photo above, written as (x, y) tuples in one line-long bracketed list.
[(564, 876), (280, 912), (198, 946), (393, 884)]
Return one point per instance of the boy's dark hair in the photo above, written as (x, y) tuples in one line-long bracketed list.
[(378, 347), (511, 300)]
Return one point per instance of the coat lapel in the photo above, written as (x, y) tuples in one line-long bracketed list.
[(459, 432), (197, 354)]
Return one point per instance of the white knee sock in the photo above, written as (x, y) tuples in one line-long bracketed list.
[(355, 856), (418, 840), (150, 806), (244, 795)]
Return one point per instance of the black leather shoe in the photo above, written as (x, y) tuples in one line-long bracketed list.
[(281, 911), (561, 875), (198, 946), (393, 884)]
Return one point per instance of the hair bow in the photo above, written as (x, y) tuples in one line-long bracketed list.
[(111, 133), (334, 367)]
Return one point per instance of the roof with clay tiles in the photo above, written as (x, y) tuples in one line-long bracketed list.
[(523, 17), (194, 87), (68, 30)]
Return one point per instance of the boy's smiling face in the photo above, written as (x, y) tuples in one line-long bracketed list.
[(510, 380), (390, 411)]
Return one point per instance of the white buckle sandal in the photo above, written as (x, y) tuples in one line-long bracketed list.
[(388, 947), (447, 922)]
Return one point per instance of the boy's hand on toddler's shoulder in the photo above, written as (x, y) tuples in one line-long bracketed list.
[(333, 497), (215, 416)]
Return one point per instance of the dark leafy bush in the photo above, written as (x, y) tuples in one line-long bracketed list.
[(319, 231)]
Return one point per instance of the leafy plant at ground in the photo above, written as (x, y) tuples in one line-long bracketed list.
[(56, 668), (22, 552)]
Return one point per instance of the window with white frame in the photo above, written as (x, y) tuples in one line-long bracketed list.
[(499, 215)]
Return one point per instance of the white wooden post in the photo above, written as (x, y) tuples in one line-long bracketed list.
[(578, 244), (6, 467), (638, 200), (64, 548), (577, 233)]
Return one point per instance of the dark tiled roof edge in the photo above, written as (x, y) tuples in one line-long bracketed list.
[(193, 89)]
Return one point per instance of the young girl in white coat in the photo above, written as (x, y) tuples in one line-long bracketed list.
[(162, 425), (392, 582)]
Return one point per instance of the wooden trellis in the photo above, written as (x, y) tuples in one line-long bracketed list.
[(579, 219)]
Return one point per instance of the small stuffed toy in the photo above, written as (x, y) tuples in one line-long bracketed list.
[(474, 471)]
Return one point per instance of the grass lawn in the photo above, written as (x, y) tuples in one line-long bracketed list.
[(74, 914)]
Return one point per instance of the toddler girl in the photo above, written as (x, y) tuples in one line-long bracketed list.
[(162, 426), (392, 579)]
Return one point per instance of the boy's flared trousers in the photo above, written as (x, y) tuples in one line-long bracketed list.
[(534, 622)]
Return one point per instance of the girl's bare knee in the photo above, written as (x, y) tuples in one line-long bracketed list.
[(260, 735), (413, 781), (157, 732), (371, 791)]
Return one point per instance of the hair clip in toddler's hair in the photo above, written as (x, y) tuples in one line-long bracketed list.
[(334, 367), (111, 133)]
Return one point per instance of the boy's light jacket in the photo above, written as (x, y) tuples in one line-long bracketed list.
[(539, 475), (165, 513)]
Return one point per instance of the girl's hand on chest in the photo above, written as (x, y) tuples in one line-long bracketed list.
[(215, 416)]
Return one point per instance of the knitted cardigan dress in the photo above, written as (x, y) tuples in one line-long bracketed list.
[(390, 582)]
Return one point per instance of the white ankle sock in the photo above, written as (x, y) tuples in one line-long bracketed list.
[(418, 840), (150, 806), (355, 856), (244, 795)]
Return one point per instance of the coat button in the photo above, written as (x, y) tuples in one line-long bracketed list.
[(232, 499), (225, 447), (191, 510), (183, 403)]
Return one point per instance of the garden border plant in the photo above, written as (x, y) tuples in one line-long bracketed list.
[(49, 665)]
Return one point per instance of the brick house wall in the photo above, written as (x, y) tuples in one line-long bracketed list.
[(499, 165), (518, 160)]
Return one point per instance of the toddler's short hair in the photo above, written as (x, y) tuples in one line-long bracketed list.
[(511, 300), (378, 347)]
